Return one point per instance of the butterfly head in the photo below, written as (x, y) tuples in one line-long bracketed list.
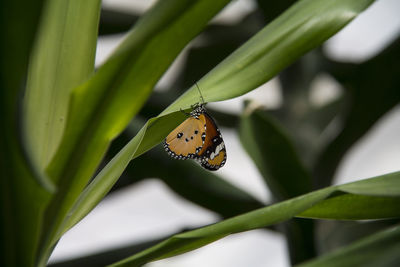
[(198, 109)]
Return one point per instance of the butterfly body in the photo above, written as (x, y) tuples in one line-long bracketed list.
[(199, 138)]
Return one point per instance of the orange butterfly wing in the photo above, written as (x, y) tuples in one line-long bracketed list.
[(186, 140), (199, 138), (217, 162), (213, 154)]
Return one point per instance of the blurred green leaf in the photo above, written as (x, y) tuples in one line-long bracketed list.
[(102, 107), (23, 200), (67, 37), (380, 249), (282, 169), (300, 239), (303, 121), (320, 117), (272, 9), (274, 154), (333, 234), (116, 21), (273, 214), (372, 92), (24, 192)]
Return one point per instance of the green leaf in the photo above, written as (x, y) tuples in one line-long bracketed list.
[(300, 238), (274, 154), (366, 199), (380, 249), (103, 106), (22, 200), (353, 207), (376, 187), (116, 21), (310, 24), (263, 217), (99, 187), (62, 58), (335, 234), (271, 10), (282, 169), (218, 41), (302, 120), (24, 192), (320, 117), (302, 27)]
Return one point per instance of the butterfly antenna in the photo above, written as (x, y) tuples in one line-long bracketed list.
[(201, 96)]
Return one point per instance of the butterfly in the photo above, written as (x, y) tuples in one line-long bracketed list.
[(198, 138)]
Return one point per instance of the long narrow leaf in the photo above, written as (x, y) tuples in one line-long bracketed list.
[(263, 217), (354, 207), (302, 27), (62, 59)]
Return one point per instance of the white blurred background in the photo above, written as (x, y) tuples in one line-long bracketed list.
[(150, 210)]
